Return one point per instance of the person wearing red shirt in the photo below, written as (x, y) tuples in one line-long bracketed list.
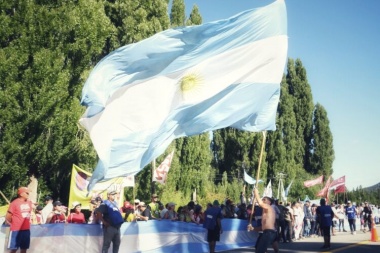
[(76, 216), (18, 217)]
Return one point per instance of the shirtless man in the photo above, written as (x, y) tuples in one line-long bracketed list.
[(267, 224)]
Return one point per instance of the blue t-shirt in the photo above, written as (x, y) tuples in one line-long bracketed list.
[(351, 212), (111, 213), (211, 216)]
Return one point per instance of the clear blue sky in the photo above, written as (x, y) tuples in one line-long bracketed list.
[(338, 42)]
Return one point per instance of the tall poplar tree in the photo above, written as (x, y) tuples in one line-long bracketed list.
[(177, 13), (45, 49), (321, 146), (299, 89)]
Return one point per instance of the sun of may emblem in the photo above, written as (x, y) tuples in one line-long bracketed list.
[(190, 85)]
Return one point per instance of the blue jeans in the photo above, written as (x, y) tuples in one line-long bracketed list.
[(268, 237)]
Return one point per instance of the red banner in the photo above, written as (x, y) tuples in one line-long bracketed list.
[(340, 188), (310, 183), (338, 182)]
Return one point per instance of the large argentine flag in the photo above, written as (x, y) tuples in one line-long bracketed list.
[(183, 82)]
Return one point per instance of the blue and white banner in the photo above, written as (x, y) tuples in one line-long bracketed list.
[(146, 236), (183, 82)]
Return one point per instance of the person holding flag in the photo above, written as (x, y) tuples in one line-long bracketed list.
[(268, 221)]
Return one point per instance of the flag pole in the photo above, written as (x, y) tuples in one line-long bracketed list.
[(257, 179), (2, 194), (153, 169)]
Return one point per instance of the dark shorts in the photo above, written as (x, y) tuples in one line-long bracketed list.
[(213, 235), (19, 240), (266, 239)]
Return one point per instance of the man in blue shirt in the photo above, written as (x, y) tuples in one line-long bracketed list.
[(325, 216), (213, 224), (351, 216), (109, 214)]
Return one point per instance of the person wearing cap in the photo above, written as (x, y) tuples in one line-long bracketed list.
[(48, 208), (18, 217), (145, 213), (76, 215), (325, 217), (154, 207), (57, 215), (213, 223), (351, 216), (109, 214)]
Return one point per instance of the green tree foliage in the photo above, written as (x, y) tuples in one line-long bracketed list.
[(299, 89), (195, 17), (177, 14), (322, 151), (137, 20), (46, 47)]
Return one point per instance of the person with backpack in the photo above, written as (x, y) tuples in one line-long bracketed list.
[(213, 223), (109, 214)]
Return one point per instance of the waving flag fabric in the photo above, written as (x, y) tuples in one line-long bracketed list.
[(337, 182), (341, 188), (249, 180), (309, 183), (183, 82), (161, 172)]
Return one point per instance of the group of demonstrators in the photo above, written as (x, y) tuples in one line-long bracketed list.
[(298, 220), (274, 221)]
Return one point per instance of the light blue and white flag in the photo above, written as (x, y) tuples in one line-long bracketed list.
[(183, 82), (249, 180)]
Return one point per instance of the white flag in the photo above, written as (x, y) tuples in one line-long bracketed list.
[(160, 174), (268, 190)]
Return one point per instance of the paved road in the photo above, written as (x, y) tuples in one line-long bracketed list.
[(343, 242)]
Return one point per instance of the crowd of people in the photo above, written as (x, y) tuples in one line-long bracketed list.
[(291, 221)]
